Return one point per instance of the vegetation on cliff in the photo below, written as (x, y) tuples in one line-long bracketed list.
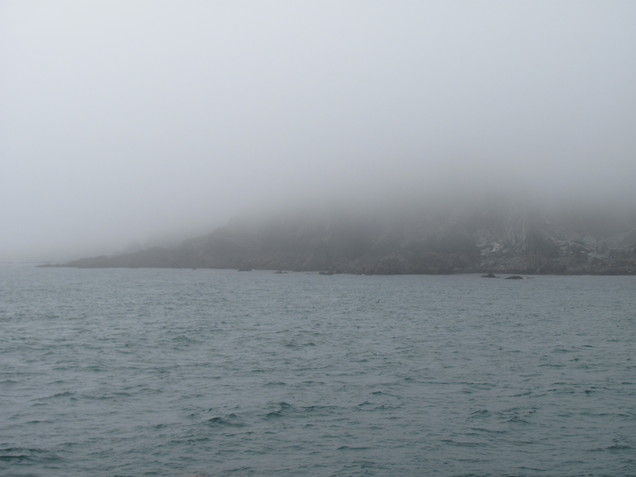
[(484, 237)]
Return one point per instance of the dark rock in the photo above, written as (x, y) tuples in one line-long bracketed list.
[(475, 238)]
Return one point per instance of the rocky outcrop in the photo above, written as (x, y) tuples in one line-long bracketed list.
[(491, 238)]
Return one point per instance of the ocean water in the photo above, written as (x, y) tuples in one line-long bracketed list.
[(217, 372)]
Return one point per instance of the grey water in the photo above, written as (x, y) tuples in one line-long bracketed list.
[(155, 372)]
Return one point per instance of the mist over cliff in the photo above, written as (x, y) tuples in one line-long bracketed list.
[(126, 124), (487, 232)]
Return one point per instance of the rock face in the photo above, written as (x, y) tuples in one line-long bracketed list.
[(484, 238)]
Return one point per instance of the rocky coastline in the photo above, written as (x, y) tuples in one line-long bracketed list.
[(502, 240)]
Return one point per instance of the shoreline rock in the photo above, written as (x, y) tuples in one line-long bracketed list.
[(489, 240)]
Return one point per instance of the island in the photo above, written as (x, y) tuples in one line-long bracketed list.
[(495, 237)]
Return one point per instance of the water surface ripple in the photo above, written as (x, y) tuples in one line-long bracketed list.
[(173, 372)]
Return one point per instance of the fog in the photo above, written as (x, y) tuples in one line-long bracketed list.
[(125, 122)]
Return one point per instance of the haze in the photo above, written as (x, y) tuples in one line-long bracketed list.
[(129, 121)]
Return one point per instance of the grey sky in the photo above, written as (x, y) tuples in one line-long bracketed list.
[(126, 120)]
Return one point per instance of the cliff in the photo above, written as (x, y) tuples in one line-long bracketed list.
[(486, 237)]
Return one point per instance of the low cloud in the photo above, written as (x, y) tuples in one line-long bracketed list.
[(123, 123)]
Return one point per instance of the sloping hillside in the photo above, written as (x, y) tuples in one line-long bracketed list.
[(483, 237)]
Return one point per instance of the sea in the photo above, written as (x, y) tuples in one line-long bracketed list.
[(175, 372)]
